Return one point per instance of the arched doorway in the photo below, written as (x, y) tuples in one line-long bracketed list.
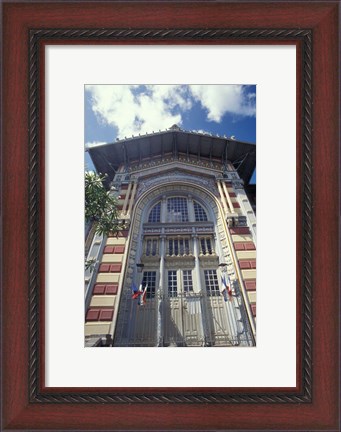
[(174, 256)]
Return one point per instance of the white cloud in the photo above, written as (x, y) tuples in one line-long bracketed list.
[(221, 99), (132, 111)]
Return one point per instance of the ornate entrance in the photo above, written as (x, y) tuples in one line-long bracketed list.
[(177, 251)]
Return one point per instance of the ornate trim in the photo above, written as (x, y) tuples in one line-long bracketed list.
[(34, 197), (307, 222), (35, 38), (169, 34), (145, 166), (176, 175)]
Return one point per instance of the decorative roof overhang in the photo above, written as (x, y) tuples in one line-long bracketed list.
[(107, 158)]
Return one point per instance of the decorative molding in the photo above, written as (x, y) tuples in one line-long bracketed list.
[(150, 259), (204, 229), (307, 222), (36, 36), (180, 230), (210, 260), (191, 161), (152, 231), (176, 175), (185, 261)]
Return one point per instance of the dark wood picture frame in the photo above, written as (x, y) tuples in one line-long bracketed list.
[(313, 403)]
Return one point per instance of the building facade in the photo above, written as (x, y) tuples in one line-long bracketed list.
[(188, 244)]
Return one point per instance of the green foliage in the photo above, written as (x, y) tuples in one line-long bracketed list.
[(100, 205), (90, 264)]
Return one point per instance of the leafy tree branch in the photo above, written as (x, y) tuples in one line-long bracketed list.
[(100, 205)]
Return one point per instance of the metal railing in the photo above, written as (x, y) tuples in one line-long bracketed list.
[(187, 319)]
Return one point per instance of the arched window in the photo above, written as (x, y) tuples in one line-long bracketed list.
[(177, 210), (199, 212), (154, 215)]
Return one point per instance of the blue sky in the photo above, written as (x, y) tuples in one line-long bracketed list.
[(121, 111)]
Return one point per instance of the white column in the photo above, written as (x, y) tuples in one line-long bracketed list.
[(202, 322), (163, 214), (228, 198), (197, 262), (191, 214), (161, 291), (223, 200)]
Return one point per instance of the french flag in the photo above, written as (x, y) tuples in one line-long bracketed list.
[(136, 292), (226, 288), (143, 297)]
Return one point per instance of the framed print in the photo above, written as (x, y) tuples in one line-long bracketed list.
[(204, 366), (144, 336)]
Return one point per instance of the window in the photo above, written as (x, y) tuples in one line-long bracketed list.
[(178, 246), (211, 283), (149, 278), (172, 284), (177, 210), (151, 247), (199, 212), (206, 246), (187, 280), (154, 215)]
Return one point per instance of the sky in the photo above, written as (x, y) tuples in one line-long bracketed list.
[(120, 111)]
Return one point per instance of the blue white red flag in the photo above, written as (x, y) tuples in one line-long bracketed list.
[(135, 292), (143, 297), (226, 288), (224, 294)]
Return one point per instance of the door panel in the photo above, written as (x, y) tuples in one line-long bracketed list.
[(217, 321), (138, 324), (173, 322), (182, 311), (187, 318), (193, 328), (144, 331), (215, 311)]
